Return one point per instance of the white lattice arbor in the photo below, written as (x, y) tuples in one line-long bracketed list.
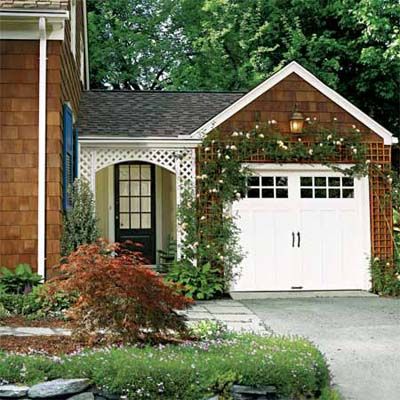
[(178, 160)]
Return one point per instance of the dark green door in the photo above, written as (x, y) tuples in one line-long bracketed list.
[(135, 206)]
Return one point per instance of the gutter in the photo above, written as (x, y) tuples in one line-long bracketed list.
[(42, 149), (86, 44)]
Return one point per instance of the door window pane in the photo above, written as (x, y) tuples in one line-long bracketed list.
[(268, 193), (135, 172), (135, 188), (124, 204), (267, 181), (320, 193), (306, 181), (135, 204), (146, 189), (347, 181), (124, 221), (306, 193), (253, 193), (320, 181), (124, 172), (146, 204), (124, 188), (334, 193), (348, 193), (145, 172), (253, 181), (281, 193), (146, 221), (281, 181), (135, 221), (334, 181)]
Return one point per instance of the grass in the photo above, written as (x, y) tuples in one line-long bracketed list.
[(189, 371)]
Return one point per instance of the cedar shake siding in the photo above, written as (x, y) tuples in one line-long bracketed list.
[(19, 80)]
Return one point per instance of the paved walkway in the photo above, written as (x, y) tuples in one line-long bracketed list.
[(359, 336), (234, 314)]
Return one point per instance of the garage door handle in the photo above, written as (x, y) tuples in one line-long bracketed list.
[(293, 238), (298, 239)]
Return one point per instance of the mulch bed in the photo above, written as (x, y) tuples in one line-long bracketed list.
[(48, 345), (18, 320)]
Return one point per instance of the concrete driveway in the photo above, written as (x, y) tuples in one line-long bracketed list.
[(359, 336)]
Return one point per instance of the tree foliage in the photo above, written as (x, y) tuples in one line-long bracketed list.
[(351, 45)]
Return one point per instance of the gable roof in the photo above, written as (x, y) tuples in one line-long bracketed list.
[(296, 68), (155, 114)]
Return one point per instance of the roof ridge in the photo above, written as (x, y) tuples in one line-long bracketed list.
[(164, 91)]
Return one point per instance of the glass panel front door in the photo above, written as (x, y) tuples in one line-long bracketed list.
[(135, 207)]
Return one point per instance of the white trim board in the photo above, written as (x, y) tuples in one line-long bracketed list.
[(296, 68)]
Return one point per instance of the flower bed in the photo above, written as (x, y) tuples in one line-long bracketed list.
[(190, 371)]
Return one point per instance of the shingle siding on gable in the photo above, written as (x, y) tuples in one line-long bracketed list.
[(39, 4)]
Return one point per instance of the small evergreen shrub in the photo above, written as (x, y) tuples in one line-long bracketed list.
[(119, 295), (79, 222), (385, 277)]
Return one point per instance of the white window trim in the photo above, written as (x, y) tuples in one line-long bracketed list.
[(73, 27)]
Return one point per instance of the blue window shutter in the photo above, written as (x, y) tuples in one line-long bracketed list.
[(76, 153), (68, 155)]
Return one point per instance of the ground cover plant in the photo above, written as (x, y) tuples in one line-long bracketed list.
[(193, 370)]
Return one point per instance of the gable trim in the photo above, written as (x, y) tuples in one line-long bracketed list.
[(296, 68)]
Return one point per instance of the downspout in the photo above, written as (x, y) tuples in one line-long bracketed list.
[(86, 44), (42, 149)]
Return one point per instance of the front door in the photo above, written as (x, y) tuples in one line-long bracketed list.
[(135, 206)]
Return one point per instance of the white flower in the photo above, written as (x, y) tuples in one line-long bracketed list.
[(203, 217), (204, 176), (388, 264), (238, 195), (357, 130), (355, 151), (261, 135), (208, 246), (198, 177), (269, 122), (235, 134), (321, 144), (273, 122), (329, 137), (207, 149), (257, 126), (233, 147), (240, 133), (398, 277), (248, 135), (213, 141), (308, 119), (367, 161), (227, 157), (310, 152), (341, 139), (379, 166), (221, 181), (315, 118), (338, 142), (184, 225), (353, 126), (284, 147), (390, 180), (334, 118), (376, 259), (299, 139), (215, 190), (221, 258), (227, 146), (195, 244)]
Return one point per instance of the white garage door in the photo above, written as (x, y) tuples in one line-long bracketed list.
[(304, 230)]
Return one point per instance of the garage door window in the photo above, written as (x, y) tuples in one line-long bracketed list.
[(267, 187), (321, 187)]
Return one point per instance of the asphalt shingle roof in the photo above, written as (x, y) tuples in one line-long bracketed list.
[(151, 113), (35, 4)]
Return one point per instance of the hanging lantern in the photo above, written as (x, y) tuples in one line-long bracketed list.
[(296, 121)]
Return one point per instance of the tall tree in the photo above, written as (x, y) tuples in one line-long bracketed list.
[(351, 45)]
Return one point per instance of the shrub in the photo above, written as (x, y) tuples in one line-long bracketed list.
[(385, 277), (188, 372), (118, 294), (209, 330), (79, 223), (21, 280), (201, 283)]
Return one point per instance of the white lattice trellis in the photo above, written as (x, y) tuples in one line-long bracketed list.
[(179, 161)]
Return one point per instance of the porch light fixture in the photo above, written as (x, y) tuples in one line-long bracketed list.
[(296, 121)]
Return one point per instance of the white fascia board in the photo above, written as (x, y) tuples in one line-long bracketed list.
[(296, 68), (153, 142), (23, 25)]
